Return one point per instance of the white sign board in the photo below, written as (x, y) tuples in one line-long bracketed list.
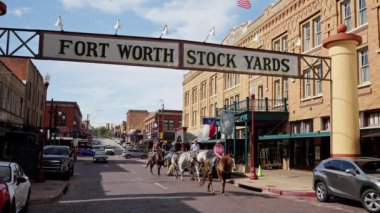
[(251, 61), (166, 53), (110, 50)]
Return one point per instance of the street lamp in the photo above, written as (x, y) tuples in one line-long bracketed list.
[(163, 119), (252, 93), (40, 174)]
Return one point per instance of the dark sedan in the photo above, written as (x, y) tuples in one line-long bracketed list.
[(353, 178)]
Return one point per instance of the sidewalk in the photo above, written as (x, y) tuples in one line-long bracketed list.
[(48, 191), (281, 182)]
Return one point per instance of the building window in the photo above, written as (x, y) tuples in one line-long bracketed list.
[(326, 123), (317, 31), (285, 89), (285, 45), (281, 43), (305, 126), (194, 95), (346, 14), (194, 118), (318, 84), (212, 109), (203, 90), (363, 66), (169, 125), (374, 119), (277, 91), (307, 84), (187, 98), (213, 85), (362, 12), (306, 36)]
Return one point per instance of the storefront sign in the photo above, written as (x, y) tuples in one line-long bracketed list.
[(175, 54)]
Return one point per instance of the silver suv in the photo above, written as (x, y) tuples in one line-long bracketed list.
[(353, 178), (133, 152)]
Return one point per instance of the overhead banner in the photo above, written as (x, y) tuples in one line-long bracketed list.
[(166, 53), (239, 60), (128, 50)]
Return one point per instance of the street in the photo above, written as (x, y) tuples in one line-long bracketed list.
[(124, 185)]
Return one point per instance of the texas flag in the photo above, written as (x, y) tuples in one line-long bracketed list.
[(209, 127)]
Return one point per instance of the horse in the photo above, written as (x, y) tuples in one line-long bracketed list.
[(156, 159), (186, 160), (202, 156), (173, 168), (223, 171)]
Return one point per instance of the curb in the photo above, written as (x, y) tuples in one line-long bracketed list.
[(278, 191), (52, 198)]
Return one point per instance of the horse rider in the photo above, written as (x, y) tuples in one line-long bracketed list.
[(194, 148), (168, 156), (218, 153), (155, 147)]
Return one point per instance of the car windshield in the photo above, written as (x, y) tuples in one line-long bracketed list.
[(5, 173), (369, 167), (55, 151)]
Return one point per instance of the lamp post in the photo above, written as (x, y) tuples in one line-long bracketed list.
[(163, 119), (58, 120), (253, 169), (40, 174)]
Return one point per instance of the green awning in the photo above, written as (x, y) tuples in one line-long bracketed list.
[(295, 136)]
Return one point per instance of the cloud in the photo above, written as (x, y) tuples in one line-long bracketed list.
[(19, 12), (186, 19)]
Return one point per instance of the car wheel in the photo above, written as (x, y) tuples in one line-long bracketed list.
[(321, 192), (127, 156), (371, 200), (13, 206), (26, 206)]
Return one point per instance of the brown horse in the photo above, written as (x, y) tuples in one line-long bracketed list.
[(157, 158), (223, 171)]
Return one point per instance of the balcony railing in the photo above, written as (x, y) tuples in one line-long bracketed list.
[(260, 105)]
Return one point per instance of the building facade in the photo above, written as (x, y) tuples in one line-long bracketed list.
[(301, 137), (63, 121), (161, 125), (135, 124), (22, 100)]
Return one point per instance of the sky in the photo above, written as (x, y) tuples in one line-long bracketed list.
[(106, 92)]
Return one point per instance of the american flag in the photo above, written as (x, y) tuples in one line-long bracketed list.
[(244, 4)]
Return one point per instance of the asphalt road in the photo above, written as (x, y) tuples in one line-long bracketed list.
[(126, 186)]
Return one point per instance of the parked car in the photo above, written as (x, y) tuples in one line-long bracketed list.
[(110, 150), (18, 185), (352, 178), (137, 153), (58, 160), (100, 156), (86, 152), (5, 198)]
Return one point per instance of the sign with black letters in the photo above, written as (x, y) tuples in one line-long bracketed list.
[(167, 53)]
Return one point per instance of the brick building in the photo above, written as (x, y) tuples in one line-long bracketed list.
[(162, 124), (22, 99), (63, 120), (135, 124), (297, 125)]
